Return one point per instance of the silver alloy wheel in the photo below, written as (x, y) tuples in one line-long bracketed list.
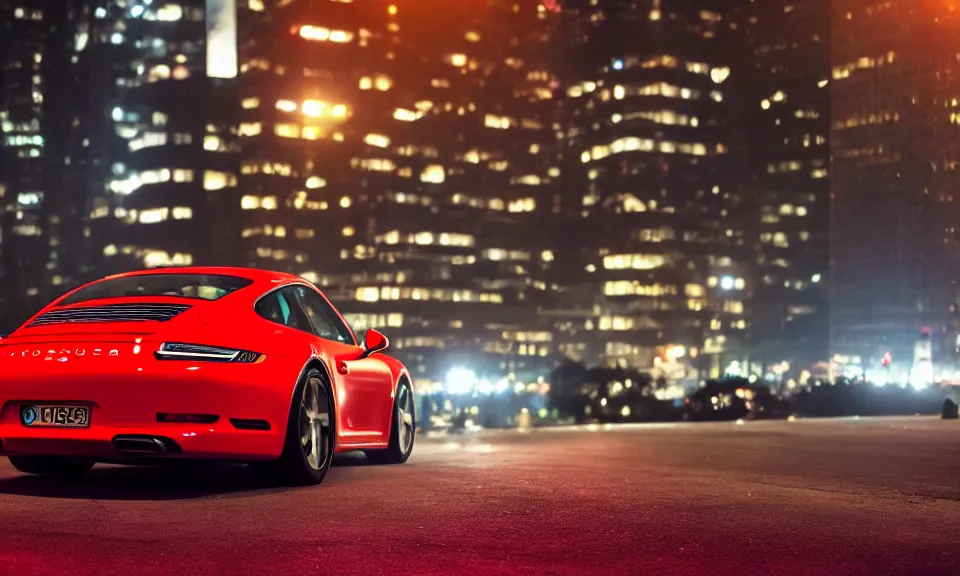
[(315, 423), (405, 411)]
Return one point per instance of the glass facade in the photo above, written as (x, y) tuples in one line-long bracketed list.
[(784, 107), (172, 155), (398, 155), (43, 151), (895, 118), (653, 264)]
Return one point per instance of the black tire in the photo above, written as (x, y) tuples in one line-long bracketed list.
[(54, 466), (298, 465), (404, 421)]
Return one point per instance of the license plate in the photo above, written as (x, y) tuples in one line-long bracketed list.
[(55, 416)]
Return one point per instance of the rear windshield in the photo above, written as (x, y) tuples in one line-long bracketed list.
[(201, 286)]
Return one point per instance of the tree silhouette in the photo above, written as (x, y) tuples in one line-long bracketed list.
[(566, 394)]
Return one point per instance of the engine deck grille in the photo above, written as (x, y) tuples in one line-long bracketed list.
[(112, 313)]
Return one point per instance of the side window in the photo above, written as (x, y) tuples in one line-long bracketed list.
[(325, 321), (281, 307)]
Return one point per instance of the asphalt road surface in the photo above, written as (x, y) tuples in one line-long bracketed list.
[(838, 497)]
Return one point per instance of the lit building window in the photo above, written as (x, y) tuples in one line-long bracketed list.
[(213, 180), (378, 140), (405, 115), (380, 82), (212, 143), (287, 130), (634, 261), (367, 294), (522, 205), (170, 13), (249, 129), (433, 173), (494, 121), (154, 215), (321, 34), (718, 75), (375, 164)]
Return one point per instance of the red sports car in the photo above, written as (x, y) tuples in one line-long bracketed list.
[(200, 363)]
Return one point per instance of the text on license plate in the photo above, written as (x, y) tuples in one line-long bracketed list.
[(55, 416)]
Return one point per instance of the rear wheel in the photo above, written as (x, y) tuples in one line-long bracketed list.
[(56, 466), (403, 429), (308, 448)]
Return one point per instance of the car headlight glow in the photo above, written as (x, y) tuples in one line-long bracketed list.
[(199, 352)]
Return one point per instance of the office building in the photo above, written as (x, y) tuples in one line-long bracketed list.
[(43, 159), (784, 110), (398, 155), (652, 263), (895, 113), (170, 195)]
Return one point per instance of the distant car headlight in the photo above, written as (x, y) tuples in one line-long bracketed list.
[(199, 352)]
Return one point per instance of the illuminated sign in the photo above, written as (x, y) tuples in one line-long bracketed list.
[(222, 38)]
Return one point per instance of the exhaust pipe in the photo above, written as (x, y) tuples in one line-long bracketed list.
[(142, 445)]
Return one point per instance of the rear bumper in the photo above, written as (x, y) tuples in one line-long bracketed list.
[(205, 442), (125, 401)]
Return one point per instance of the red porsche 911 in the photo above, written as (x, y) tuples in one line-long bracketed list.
[(225, 364)]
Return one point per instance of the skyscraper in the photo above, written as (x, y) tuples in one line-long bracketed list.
[(43, 161), (895, 118), (652, 264), (783, 96), (171, 145), (397, 154)]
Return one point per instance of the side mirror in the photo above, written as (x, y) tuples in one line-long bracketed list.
[(374, 342)]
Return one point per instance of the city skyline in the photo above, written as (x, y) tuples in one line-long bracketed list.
[(499, 184)]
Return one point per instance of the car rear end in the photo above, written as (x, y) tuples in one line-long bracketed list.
[(125, 378)]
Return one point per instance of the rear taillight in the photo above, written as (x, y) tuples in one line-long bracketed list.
[(202, 353)]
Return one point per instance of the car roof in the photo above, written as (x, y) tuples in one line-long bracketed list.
[(254, 274)]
